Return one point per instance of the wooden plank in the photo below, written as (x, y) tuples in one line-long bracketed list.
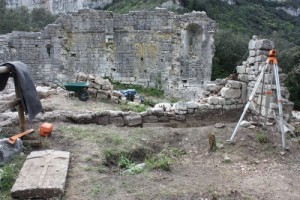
[(7, 105), (4, 70), (20, 107)]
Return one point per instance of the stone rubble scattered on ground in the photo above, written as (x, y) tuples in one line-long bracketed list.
[(8, 150)]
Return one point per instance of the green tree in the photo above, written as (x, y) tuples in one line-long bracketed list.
[(40, 17), (231, 49), (293, 85), (21, 19)]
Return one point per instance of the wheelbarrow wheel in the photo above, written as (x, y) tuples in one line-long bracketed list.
[(83, 95)]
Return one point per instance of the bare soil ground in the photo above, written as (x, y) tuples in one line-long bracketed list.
[(254, 170)]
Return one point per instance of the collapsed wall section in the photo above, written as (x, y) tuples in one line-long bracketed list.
[(149, 48)]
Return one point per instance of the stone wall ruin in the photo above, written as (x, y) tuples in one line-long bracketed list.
[(149, 48)]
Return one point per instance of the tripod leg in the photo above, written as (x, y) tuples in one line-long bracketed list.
[(279, 101), (249, 101), (268, 94)]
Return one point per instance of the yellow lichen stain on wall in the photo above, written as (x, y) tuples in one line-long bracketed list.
[(144, 50)]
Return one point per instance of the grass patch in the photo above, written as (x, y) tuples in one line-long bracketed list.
[(153, 92), (261, 137), (95, 190), (132, 107), (112, 156), (9, 173), (160, 162), (124, 162), (164, 159), (112, 191)]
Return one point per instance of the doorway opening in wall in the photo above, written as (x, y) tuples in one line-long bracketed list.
[(49, 49), (194, 39)]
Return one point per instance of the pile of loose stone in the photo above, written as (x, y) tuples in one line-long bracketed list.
[(103, 89)]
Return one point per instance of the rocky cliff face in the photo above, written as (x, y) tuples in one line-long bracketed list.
[(290, 10), (58, 6)]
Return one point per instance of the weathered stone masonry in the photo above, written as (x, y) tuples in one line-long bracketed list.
[(152, 49)]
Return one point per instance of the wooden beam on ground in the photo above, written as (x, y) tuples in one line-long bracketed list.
[(20, 107), (4, 70), (8, 105)]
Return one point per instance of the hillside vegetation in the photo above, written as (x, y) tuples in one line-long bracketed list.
[(21, 19)]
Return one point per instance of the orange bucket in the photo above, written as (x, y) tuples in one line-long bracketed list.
[(46, 129)]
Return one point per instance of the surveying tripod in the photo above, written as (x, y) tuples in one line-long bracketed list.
[(271, 65)]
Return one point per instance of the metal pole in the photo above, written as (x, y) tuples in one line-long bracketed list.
[(268, 93), (279, 102), (249, 101)]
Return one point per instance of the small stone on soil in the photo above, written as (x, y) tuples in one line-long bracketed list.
[(219, 125)]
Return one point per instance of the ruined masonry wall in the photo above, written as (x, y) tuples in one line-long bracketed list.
[(234, 91), (149, 48)]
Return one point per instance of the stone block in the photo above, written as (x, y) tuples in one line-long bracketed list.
[(103, 120), (262, 52), (133, 119), (81, 77), (99, 80), (165, 118), (180, 106), (43, 175), (181, 112), (230, 93), (251, 77), (221, 101), (241, 69), (180, 117), (203, 108), (211, 87), (156, 111), (252, 53), (105, 93), (192, 105), (217, 107), (213, 100), (244, 92), (106, 87), (191, 111), (251, 60), (165, 106), (243, 77), (98, 87), (117, 94), (233, 84), (219, 81), (117, 121), (113, 113), (91, 78), (261, 58), (150, 119), (251, 45), (264, 44)]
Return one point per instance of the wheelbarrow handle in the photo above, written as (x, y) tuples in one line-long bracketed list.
[(59, 83)]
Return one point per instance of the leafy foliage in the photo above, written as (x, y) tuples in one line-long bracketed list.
[(21, 19), (293, 84)]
